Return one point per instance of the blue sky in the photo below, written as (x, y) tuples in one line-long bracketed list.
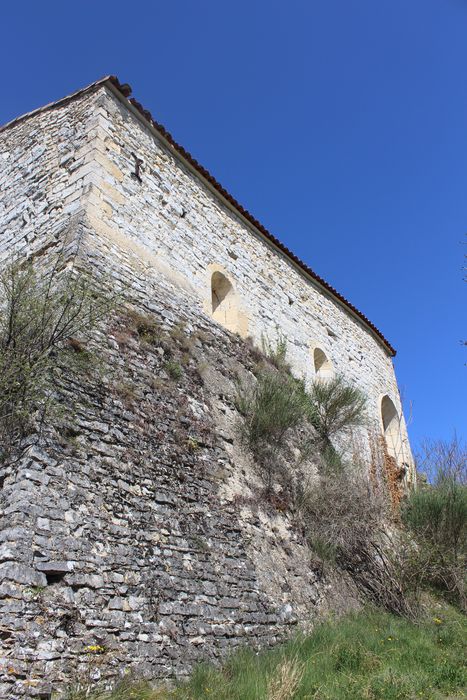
[(340, 124)]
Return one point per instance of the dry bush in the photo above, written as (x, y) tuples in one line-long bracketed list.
[(443, 459), (47, 318), (346, 522)]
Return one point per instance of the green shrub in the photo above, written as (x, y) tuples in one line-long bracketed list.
[(271, 410), (279, 414), (331, 461), (437, 518), (276, 354), (277, 404), (335, 407), (173, 369), (435, 515)]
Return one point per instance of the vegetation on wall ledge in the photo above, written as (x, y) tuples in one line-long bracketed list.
[(393, 548), (47, 317), (294, 433)]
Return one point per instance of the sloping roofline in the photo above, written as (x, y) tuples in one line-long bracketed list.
[(123, 92)]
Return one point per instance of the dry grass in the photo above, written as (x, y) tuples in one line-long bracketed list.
[(286, 679)]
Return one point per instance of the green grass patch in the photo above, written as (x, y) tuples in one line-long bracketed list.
[(371, 655), (174, 370)]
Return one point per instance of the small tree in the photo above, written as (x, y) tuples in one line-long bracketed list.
[(45, 317)]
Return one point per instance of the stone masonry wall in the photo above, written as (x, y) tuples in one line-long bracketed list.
[(173, 225), (46, 162), (131, 538)]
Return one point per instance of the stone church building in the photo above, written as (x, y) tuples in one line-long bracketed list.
[(98, 165)]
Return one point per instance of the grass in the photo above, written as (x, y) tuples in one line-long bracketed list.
[(174, 370), (371, 655)]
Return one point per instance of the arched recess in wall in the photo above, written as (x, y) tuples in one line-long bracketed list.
[(224, 304), (322, 365), (391, 427)]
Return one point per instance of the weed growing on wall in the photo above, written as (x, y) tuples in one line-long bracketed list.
[(47, 317), (271, 410), (174, 370), (335, 407), (147, 329), (275, 353)]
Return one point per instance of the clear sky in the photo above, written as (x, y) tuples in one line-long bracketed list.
[(340, 124)]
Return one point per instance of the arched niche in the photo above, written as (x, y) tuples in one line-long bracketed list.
[(322, 365), (224, 306), (391, 426)]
